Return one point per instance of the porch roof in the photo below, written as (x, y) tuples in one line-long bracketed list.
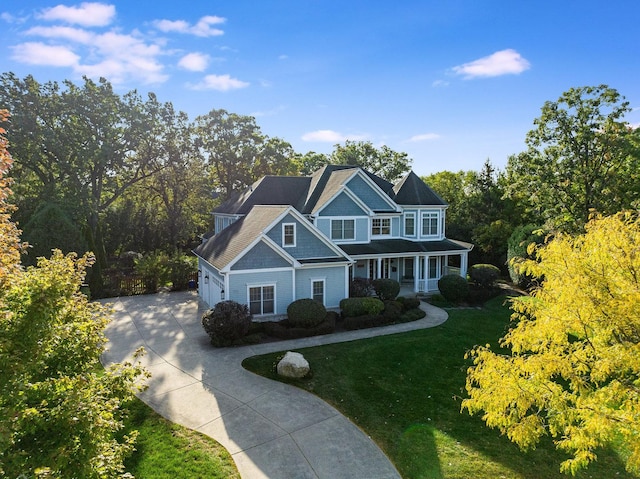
[(403, 246)]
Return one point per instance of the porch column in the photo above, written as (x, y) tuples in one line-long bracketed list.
[(379, 272), (463, 264), (416, 273)]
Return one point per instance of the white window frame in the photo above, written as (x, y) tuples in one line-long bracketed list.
[(411, 215), (262, 286), (342, 221), (284, 235), (381, 226), (430, 215), (324, 288)]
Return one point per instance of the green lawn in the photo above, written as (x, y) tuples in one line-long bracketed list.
[(167, 451), (405, 391)]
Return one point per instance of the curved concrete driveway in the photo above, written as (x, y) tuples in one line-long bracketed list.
[(272, 430)]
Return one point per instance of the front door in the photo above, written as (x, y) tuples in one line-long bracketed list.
[(408, 269)]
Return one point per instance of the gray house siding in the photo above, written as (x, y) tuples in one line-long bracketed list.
[(342, 205), (307, 245), (361, 229), (334, 284), (368, 195), (261, 256), (239, 284)]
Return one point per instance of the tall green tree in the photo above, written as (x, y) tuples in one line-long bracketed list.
[(59, 417), (230, 144), (579, 158), (384, 162), (570, 365)]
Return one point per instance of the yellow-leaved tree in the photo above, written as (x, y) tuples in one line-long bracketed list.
[(570, 364)]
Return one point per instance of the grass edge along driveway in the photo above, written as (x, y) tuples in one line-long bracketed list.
[(404, 391)]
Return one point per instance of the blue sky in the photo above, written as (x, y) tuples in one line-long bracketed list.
[(452, 83)]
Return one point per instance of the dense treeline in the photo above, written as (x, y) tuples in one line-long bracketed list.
[(109, 173)]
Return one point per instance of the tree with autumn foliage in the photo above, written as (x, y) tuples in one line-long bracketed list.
[(59, 413), (570, 365)]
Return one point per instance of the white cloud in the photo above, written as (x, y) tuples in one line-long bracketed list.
[(78, 35), (204, 27), (424, 137), (440, 83), (36, 53), (330, 136), (220, 83), (88, 14), (504, 62), (195, 62)]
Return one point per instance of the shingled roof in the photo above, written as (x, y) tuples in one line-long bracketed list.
[(411, 190), (308, 193)]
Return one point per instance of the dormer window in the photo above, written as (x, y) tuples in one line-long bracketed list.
[(289, 235), (380, 226)]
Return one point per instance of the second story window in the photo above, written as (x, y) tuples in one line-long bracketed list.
[(343, 230), (430, 223), (380, 226), (289, 234), (410, 224)]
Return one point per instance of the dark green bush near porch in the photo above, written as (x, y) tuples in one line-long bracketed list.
[(408, 303), (306, 313), (360, 306), (227, 324), (360, 288), (454, 288), (484, 275), (386, 288)]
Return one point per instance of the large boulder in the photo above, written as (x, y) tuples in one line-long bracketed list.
[(293, 365)]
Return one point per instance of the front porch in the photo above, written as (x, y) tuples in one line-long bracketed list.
[(416, 274)]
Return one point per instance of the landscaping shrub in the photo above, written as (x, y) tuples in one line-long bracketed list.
[(412, 315), (386, 288), (392, 311), (453, 287), (180, 268), (409, 303), (360, 306), (360, 288), (484, 275), (284, 329), (364, 321), (227, 323), (306, 313)]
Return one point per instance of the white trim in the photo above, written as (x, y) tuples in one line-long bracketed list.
[(324, 288), (284, 236), (431, 214), (343, 219), (343, 189), (269, 242), (405, 215), (263, 270), (261, 286), (396, 208), (381, 219)]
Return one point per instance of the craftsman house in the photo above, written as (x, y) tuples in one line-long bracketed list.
[(286, 238)]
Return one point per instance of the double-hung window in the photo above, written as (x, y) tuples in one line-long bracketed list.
[(410, 224), (343, 230), (262, 300), (317, 290), (289, 235), (430, 221), (380, 226)]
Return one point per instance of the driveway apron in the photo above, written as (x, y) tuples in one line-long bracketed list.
[(272, 430)]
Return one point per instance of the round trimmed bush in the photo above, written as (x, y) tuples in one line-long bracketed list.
[(453, 287), (352, 307), (306, 313), (226, 323), (386, 289), (484, 275)]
